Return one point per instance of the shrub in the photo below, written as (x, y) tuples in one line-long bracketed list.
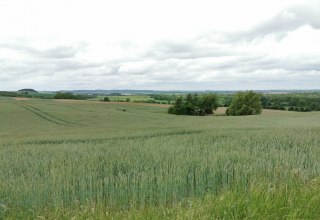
[(194, 105), (64, 95), (291, 108), (245, 103)]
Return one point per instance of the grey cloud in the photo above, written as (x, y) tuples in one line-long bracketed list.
[(73, 64), (58, 52), (281, 24), (34, 60), (309, 15), (189, 49), (288, 20), (48, 67), (300, 63), (171, 65), (207, 61), (53, 52), (43, 73)]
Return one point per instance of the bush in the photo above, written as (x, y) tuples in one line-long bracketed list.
[(68, 95), (291, 108), (245, 103), (194, 105), (106, 99), (64, 95)]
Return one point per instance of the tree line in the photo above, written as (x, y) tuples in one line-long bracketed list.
[(303, 102), (69, 95), (246, 103), (242, 103)]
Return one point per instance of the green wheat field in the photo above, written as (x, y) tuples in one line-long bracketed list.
[(96, 160)]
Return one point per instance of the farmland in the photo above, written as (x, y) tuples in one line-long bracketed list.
[(90, 159)]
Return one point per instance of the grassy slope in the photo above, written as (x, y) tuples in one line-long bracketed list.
[(61, 159)]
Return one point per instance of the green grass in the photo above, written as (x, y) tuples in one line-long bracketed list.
[(85, 159)]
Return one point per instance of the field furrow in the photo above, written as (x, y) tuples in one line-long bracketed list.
[(46, 116)]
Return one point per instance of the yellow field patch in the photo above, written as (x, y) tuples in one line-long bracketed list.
[(21, 98)]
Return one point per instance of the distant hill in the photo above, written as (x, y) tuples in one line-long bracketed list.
[(28, 90)]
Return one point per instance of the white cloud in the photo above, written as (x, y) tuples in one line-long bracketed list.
[(143, 44)]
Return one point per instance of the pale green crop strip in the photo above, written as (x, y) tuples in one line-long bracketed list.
[(128, 161)]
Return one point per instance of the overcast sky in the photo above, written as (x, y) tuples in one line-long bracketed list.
[(159, 45)]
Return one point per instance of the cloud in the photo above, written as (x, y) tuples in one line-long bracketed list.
[(286, 21), (188, 49), (42, 51), (278, 53)]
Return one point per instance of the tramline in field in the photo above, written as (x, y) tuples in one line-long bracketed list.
[(89, 159)]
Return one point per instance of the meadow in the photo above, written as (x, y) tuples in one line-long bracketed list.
[(64, 159)]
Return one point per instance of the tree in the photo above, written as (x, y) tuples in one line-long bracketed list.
[(245, 103), (64, 95), (208, 103), (177, 108), (106, 99), (194, 105)]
